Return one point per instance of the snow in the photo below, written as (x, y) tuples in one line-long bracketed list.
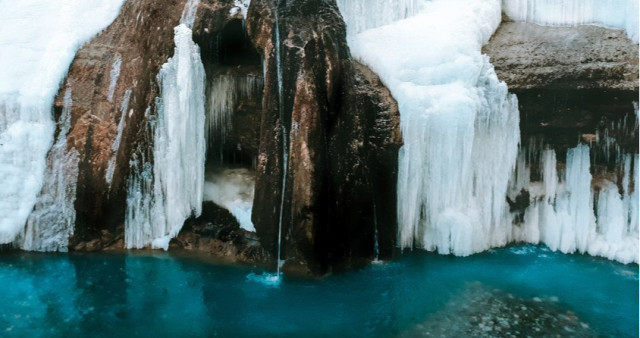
[(460, 125), (622, 14), (241, 6), (38, 41), (163, 195), (233, 190)]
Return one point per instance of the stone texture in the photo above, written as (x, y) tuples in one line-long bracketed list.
[(334, 131), (529, 56), (142, 37)]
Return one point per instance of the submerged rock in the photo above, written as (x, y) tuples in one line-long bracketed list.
[(479, 311)]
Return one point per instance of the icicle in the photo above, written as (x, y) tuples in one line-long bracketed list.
[(622, 14), (225, 91), (116, 143)]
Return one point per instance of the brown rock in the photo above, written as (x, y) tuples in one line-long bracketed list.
[(334, 135), (529, 56)]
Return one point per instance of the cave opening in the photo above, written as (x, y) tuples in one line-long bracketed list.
[(234, 91)]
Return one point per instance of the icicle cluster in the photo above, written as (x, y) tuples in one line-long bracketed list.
[(163, 195), (570, 211), (39, 39), (622, 14), (225, 91)]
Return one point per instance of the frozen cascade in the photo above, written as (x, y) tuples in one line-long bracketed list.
[(51, 222), (39, 39), (622, 14), (561, 213), (163, 195), (459, 123)]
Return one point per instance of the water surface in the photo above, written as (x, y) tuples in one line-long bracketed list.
[(164, 295)]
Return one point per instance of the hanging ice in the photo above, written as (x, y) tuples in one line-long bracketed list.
[(163, 195), (38, 41), (561, 213), (460, 126), (622, 14), (51, 222), (225, 91)]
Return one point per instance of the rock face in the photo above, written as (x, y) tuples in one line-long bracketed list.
[(529, 56), (329, 118), (114, 90), (113, 77), (321, 187), (570, 81)]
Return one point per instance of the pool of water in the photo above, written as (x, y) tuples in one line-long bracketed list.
[(417, 294)]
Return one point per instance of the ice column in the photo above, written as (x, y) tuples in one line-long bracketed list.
[(51, 222), (460, 125), (39, 39), (163, 195)]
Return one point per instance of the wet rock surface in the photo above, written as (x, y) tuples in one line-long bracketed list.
[(480, 311), (529, 56), (217, 233), (314, 117), (332, 117)]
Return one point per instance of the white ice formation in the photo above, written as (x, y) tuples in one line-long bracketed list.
[(233, 190), (621, 14), (53, 217), (38, 41), (565, 202), (225, 91), (162, 195), (461, 135), (460, 125)]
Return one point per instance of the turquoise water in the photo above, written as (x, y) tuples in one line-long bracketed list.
[(162, 295)]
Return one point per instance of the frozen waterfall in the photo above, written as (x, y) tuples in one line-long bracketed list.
[(39, 39), (461, 133), (459, 123), (164, 194), (622, 14)]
